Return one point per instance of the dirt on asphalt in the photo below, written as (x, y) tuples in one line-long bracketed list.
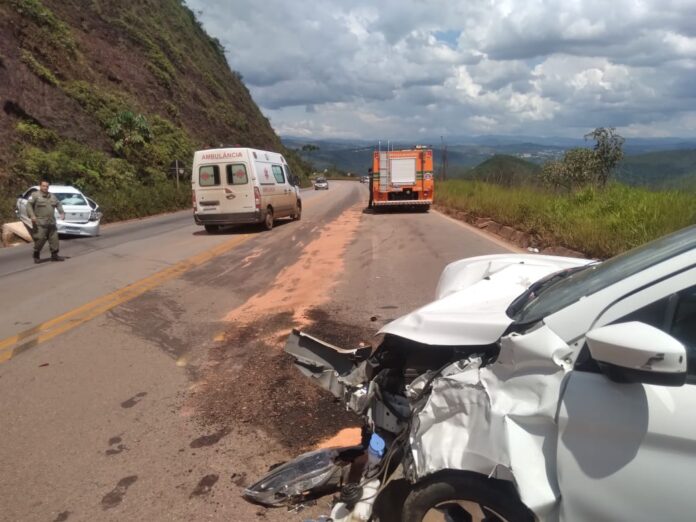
[(248, 381)]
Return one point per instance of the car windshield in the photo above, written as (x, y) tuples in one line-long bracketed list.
[(70, 199), (321, 180), (567, 286)]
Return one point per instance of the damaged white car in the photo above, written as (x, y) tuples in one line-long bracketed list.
[(82, 214), (532, 388)]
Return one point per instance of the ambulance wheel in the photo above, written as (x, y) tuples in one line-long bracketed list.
[(212, 229), (268, 219)]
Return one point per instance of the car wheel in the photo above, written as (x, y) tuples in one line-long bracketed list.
[(298, 212), (268, 219), (454, 497), (212, 229)]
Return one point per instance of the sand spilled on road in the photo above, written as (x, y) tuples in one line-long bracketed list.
[(307, 282), (248, 381)]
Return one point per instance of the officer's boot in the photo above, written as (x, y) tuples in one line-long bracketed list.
[(56, 257), (37, 256)]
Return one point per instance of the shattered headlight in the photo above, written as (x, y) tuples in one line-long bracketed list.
[(295, 479)]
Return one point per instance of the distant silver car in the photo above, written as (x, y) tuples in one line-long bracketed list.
[(321, 184), (82, 214)]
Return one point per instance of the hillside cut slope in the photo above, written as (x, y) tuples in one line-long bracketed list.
[(106, 95)]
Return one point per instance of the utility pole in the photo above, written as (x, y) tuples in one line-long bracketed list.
[(443, 173), (176, 168)]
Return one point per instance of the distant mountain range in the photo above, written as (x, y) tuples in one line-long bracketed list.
[(655, 162)]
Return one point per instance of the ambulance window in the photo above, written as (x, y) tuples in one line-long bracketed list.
[(288, 175), (278, 174), (264, 175), (237, 174), (209, 175)]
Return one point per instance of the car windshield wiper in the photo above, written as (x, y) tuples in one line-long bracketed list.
[(540, 286)]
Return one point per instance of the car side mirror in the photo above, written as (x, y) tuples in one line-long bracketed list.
[(296, 181), (637, 352)]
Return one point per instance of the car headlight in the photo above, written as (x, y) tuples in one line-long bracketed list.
[(294, 478)]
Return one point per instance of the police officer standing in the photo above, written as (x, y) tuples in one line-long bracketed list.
[(41, 209)]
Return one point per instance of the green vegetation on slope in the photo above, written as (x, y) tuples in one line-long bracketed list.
[(600, 223), (106, 95), (668, 169), (505, 170)]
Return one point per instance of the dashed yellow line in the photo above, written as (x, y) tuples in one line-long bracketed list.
[(26, 339), (41, 333)]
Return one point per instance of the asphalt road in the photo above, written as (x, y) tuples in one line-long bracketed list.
[(142, 379)]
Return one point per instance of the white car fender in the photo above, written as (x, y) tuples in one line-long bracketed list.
[(498, 420)]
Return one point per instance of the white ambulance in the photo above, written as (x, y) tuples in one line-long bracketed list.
[(241, 185)]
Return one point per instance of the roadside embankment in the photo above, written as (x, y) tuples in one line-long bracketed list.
[(598, 223)]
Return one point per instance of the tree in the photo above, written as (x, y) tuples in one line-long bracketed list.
[(577, 168), (581, 166), (608, 151), (129, 130)]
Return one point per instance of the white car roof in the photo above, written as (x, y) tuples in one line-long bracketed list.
[(65, 189)]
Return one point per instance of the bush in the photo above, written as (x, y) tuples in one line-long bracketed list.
[(40, 70), (35, 134), (137, 200), (54, 32)]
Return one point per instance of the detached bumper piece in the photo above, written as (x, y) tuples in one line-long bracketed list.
[(332, 367)]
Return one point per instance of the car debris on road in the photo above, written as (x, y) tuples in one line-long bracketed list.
[(533, 387)]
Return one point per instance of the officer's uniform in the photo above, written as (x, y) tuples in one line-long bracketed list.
[(41, 207)]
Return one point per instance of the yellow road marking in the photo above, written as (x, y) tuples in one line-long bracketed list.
[(15, 344), (41, 333)]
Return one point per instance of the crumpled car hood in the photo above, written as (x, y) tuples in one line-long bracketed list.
[(472, 296)]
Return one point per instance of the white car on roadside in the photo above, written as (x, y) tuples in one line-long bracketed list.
[(532, 388), (82, 214)]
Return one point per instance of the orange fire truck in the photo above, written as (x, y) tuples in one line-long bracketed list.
[(402, 178)]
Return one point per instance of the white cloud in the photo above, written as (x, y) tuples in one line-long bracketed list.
[(408, 67)]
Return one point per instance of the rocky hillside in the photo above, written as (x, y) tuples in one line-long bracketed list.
[(106, 95)]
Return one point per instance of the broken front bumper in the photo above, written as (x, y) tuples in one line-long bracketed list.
[(335, 369)]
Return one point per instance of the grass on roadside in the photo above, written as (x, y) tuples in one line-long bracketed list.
[(598, 222)]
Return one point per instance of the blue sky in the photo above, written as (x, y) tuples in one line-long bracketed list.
[(422, 68)]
